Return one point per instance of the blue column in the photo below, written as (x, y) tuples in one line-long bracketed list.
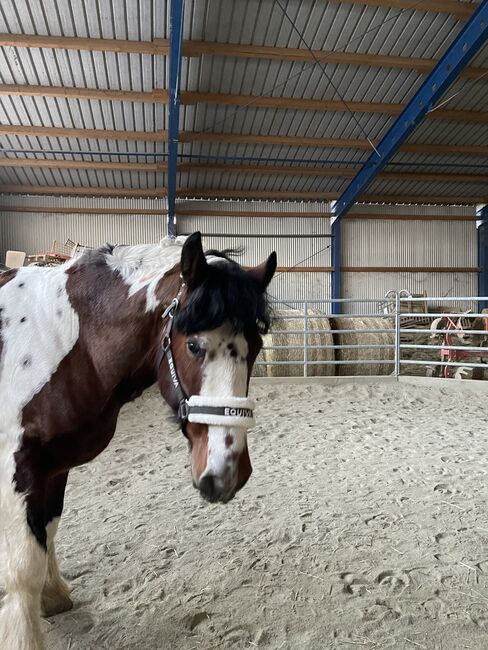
[(336, 264), (483, 257), (177, 10)]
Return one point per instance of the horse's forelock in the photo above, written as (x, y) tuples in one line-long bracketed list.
[(228, 294)]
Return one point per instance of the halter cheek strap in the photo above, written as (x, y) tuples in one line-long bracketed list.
[(228, 411)]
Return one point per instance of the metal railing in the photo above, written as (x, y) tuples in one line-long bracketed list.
[(386, 336)]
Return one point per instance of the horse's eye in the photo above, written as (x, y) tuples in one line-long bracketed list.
[(195, 348)]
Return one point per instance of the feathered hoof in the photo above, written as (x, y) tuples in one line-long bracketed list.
[(55, 602)]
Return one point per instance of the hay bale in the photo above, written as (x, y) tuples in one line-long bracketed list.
[(281, 334), (358, 337)]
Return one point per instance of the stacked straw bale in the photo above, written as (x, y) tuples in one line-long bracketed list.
[(357, 337), (281, 334)]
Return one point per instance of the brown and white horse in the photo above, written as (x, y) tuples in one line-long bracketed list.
[(79, 341)]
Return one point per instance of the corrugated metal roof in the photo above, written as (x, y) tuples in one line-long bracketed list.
[(80, 178), (322, 25), (131, 19)]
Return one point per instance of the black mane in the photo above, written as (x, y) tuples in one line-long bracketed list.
[(228, 293)]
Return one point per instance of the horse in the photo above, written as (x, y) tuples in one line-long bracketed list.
[(77, 342)]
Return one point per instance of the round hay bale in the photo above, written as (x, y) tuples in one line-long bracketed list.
[(358, 337), (281, 334)]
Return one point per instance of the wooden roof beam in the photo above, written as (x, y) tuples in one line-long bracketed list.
[(193, 98), (155, 96), (57, 210), (199, 212), (88, 134), (36, 163), (266, 52), (330, 172), (157, 46), (209, 212), (208, 48), (241, 194), (333, 143), (231, 138), (209, 193), (62, 190), (277, 170), (460, 10)]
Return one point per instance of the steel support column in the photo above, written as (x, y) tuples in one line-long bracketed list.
[(469, 40), (483, 257), (336, 285), (177, 10)]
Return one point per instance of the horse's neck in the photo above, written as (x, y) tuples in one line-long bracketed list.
[(119, 310)]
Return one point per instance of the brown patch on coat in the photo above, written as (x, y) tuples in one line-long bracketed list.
[(198, 437)]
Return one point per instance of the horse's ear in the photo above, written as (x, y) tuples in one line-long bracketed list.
[(264, 272), (193, 263)]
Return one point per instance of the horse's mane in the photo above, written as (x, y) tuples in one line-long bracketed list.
[(227, 294), (227, 253)]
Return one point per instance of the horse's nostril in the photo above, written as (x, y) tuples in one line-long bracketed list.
[(208, 487)]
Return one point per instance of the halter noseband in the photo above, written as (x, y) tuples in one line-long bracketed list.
[(236, 411)]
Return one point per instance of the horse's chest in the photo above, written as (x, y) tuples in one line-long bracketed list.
[(77, 446)]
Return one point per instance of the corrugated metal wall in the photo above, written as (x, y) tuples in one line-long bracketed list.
[(300, 241), (369, 242), (35, 232), (422, 243)]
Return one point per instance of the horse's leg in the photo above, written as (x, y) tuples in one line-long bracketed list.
[(55, 594), (25, 567)]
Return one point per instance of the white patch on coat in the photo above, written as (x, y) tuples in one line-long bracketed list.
[(39, 328), (24, 576), (142, 267), (224, 376)]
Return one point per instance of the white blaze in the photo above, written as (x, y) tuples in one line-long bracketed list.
[(224, 375)]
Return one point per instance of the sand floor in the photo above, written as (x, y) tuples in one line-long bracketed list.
[(364, 525)]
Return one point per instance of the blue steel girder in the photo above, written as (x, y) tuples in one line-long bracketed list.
[(177, 10), (483, 257), (468, 42)]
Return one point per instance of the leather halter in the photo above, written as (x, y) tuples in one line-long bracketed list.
[(236, 412), (165, 351)]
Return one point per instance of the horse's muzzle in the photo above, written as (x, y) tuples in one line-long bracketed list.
[(215, 490)]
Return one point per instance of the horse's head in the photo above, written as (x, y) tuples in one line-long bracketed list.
[(211, 340)]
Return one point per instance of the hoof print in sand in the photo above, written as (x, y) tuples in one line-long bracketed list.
[(393, 582), (379, 612), (193, 620), (381, 520), (446, 490), (353, 586)]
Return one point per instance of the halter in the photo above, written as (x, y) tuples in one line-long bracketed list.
[(235, 412)]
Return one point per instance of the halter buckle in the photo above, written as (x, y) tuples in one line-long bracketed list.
[(183, 410), (170, 310)]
